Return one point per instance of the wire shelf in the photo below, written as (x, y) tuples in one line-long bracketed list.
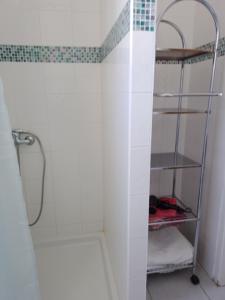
[(189, 95), (176, 111), (189, 216), (171, 161), (169, 269), (179, 54)]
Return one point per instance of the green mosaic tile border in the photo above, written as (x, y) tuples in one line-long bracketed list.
[(144, 15), (209, 46), (144, 20), (118, 32), (41, 54)]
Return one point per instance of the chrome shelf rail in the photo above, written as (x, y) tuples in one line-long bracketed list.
[(175, 111), (169, 269), (179, 54), (175, 95), (188, 216), (173, 221), (171, 161)]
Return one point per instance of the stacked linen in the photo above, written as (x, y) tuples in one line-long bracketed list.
[(168, 249)]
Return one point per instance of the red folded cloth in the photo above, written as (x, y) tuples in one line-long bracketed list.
[(165, 214)]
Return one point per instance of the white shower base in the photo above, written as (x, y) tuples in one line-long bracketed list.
[(74, 269)]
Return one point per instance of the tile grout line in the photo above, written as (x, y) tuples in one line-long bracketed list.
[(201, 287), (208, 297)]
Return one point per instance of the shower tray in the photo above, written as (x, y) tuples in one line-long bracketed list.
[(75, 268)]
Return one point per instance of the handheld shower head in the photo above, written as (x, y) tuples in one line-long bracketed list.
[(22, 137)]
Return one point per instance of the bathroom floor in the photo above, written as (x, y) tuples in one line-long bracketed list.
[(177, 286), (76, 269), (72, 270)]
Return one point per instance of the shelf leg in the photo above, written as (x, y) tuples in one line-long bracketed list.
[(195, 280)]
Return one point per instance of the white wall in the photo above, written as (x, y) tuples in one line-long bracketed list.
[(204, 30), (127, 84), (116, 103), (50, 22), (116, 99), (61, 103), (143, 61)]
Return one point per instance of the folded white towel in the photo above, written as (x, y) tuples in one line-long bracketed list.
[(168, 247)]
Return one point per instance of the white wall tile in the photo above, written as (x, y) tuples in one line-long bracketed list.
[(141, 119), (110, 13), (143, 62), (138, 258), (56, 28), (65, 163), (59, 78), (65, 137), (138, 289), (75, 129), (139, 207), (64, 121), (86, 6), (93, 227), (141, 113), (61, 103), (61, 5), (142, 78), (47, 218), (90, 107), (34, 111), (116, 144), (69, 230), (40, 234), (86, 29), (11, 4), (67, 199), (22, 79), (33, 190), (90, 165), (19, 27), (32, 165), (88, 78), (34, 5), (92, 203), (140, 169)]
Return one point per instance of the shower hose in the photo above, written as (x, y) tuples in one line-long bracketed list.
[(29, 140)]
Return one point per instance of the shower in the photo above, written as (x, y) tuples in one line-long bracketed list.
[(23, 137)]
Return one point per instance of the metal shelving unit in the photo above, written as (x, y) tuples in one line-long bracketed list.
[(176, 111), (179, 54), (189, 216), (175, 160), (171, 161)]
